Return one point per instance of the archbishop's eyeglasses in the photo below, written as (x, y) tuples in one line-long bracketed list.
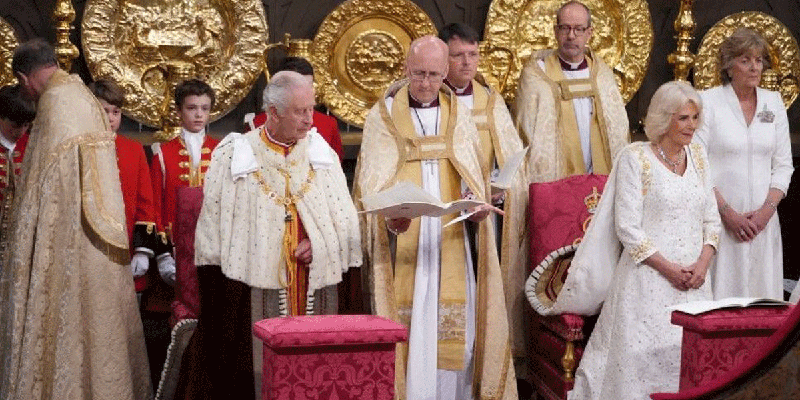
[(425, 75), (566, 29)]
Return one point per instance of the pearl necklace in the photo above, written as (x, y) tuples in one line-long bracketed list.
[(673, 164)]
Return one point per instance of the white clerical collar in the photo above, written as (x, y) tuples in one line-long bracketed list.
[(571, 66), (414, 103)]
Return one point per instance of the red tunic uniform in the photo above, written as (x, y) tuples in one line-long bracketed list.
[(137, 193), (10, 171), (172, 167), (325, 124)]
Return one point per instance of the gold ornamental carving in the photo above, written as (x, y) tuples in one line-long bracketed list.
[(148, 47), (784, 53), (623, 37), (63, 17), (682, 58), (360, 49), (8, 42)]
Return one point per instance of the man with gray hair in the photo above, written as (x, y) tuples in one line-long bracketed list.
[(429, 276), (276, 232), (69, 325)]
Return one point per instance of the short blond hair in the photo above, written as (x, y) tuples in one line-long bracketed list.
[(668, 99), (741, 41)]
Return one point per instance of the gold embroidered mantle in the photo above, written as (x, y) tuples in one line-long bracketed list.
[(69, 322), (382, 153), (537, 112), (499, 134)]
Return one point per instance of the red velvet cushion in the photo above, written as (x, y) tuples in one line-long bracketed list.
[(187, 291), (346, 373), (733, 319), (558, 211), (327, 330), (719, 341)]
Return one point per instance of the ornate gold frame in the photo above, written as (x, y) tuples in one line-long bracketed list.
[(623, 37), (148, 47), (360, 50), (8, 42), (783, 50)]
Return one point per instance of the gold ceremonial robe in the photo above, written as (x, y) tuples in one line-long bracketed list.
[(69, 321), (542, 113), (499, 141), (390, 149)]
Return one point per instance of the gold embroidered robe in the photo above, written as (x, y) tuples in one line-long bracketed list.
[(385, 151), (69, 320), (499, 141), (543, 126)]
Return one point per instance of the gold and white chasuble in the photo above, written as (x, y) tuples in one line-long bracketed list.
[(391, 151), (499, 140), (69, 320), (546, 118)]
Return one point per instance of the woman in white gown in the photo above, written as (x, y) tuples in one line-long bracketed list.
[(666, 219), (746, 135)]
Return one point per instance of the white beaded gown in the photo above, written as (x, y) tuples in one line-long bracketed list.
[(634, 350)]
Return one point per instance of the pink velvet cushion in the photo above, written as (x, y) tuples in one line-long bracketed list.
[(559, 212), (327, 330)]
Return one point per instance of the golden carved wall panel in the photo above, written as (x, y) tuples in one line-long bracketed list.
[(8, 42), (360, 49), (623, 37), (146, 45), (783, 51)]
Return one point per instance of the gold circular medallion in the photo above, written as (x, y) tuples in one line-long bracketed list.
[(622, 36), (784, 53), (360, 50), (8, 42), (145, 46)]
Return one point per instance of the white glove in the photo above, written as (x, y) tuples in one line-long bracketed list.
[(166, 268), (140, 262)]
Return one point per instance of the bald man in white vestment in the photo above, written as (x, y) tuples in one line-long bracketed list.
[(421, 273)]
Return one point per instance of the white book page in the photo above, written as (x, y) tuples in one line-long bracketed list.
[(407, 200), (506, 175), (699, 307)]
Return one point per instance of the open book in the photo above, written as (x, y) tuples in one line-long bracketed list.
[(506, 174), (407, 200), (699, 307)]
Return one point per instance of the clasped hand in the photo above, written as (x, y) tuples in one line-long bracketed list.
[(686, 277), (745, 227)]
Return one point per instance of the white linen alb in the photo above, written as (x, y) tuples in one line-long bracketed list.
[(423, 380)]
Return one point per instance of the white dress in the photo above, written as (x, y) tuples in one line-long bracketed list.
[(746, 161), (634, 350)]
